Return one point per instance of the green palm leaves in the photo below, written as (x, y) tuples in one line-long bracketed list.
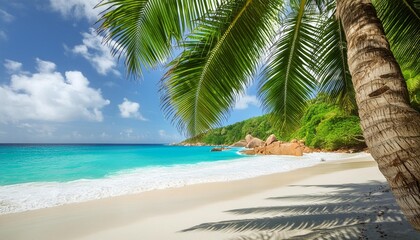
[(331, 67), (219, 58), (401, 21), (287, 81), (144, 30), (223, 43)]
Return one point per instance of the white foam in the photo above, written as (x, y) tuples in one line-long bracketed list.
[(30, 196)]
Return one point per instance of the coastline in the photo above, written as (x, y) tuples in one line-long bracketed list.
[(36, 195), (182, 213)]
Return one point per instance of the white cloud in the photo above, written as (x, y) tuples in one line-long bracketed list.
[(48, 95), (98, 54), (3, 35), (127, 132), (38, 129), (130, 109), (5, 16), (166, 137), (104, 135), (12, 66), (245, 101), (162, 133), (110, 84), (45, 66), (77, 9)]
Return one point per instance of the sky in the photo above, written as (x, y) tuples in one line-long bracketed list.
[(59, 84)]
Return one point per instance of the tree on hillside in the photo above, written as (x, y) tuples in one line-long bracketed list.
[(338, 47)]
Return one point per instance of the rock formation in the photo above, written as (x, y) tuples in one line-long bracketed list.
[(241, 143), (272, 138), (219, 149), (278, 148), (274, 147), (248, 138), (255, 142)]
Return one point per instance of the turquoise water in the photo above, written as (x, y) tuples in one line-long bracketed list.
[(41, 176), (61, 163)]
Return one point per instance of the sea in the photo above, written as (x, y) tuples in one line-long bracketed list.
[(34, 176)]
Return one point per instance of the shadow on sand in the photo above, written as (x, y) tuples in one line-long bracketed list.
[(350, 211)]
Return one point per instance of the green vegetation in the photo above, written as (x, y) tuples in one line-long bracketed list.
[(326, 126), (292, 48), (259, 127), (323, 126), (413, 86), (302, 48)]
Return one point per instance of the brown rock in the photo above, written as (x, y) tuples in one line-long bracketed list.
[(248, 138), (307, 149), (255, 142), (294, 141), (241, 143), (278, 148), (272, 138), (219, 149), (248, 152)]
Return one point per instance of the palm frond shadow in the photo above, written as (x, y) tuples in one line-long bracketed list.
[(352, 211)]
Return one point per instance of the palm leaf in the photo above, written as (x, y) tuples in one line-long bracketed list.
[(401, 21), (332, 68), (144, 30), (287, 81), (220, 56)]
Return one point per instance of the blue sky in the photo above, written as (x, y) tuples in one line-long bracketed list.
[(59, 84)]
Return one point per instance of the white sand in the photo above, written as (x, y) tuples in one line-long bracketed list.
[(335, 200)]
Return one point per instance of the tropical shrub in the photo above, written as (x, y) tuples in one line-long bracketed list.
[(328, 127), (413, 86)]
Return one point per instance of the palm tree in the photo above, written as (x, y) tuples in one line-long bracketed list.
[(390, 126), (338, 47)]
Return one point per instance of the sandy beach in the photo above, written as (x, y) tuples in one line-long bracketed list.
[(333, 200)]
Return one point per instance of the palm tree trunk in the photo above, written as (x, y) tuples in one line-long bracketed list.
[(390, 126)]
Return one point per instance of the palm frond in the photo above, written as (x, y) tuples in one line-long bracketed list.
[(287, 81), (416, 4), (332, 68), (220, 56), (401, 21), (143, 30)]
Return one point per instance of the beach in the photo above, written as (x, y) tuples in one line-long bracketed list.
[(346, 199)]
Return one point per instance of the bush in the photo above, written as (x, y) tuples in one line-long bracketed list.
[(259, 127), (323, 126), (326, 126), (413, 86)]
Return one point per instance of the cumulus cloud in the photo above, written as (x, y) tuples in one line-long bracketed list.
[(130, 109), (48, 95), (245, 101), (45, 66), (5, 16), (98, 54), (77, 8), (12, 66)]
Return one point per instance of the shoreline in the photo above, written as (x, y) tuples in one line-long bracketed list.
[(180, 213), (39, 195)]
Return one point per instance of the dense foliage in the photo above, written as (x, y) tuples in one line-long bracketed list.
[(295, 48), (326, 126), (259, 127), (413, 86), (323, 126)]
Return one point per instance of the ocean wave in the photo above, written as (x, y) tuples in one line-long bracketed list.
[(30, 196)]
